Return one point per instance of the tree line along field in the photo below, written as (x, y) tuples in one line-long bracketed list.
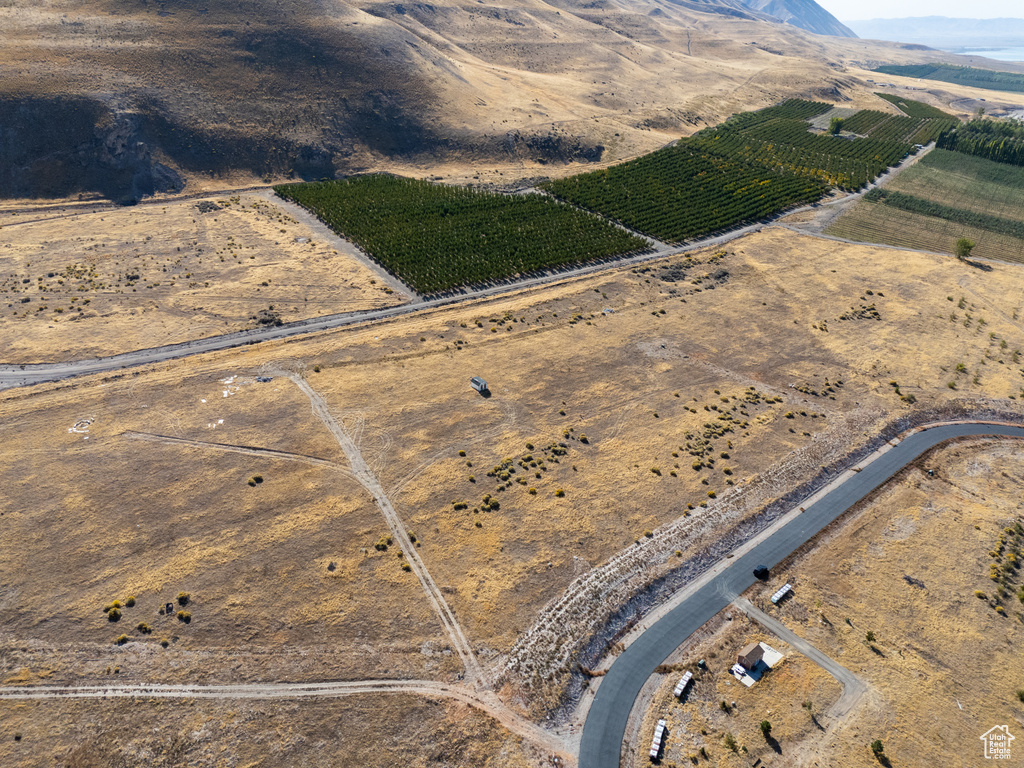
[(1000, 141), (945, 196), (755, 165), (436, 238), (986, 79)]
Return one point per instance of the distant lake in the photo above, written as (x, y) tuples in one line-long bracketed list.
[(1000, 54)]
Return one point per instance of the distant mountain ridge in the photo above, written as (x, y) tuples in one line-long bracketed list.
[(945, 33), (805, 14)]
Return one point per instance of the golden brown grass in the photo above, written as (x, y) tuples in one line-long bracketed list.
[(255, 558), (366, 730), (111, 280)]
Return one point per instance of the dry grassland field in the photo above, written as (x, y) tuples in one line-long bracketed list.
[(914, 567), (75, 285), (372, 731), (620, 402)]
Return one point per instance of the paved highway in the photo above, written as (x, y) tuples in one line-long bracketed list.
[(605, 729)]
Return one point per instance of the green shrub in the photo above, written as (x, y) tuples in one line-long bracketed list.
[(130, 601), (122, 640), (559, 493), (185, 617), (114, 614), (144, 628), (183, 598)]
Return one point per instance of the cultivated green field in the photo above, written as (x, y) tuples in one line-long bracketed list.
[(971, 76), (753, 166), (435, 238), (945, 196), (915, 108), (438, 238)]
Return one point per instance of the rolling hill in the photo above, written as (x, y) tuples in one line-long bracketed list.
[(127, 97)]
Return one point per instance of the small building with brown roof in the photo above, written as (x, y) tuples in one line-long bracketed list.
[(750, 656)]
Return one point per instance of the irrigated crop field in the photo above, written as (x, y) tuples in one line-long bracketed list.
[(78, 284), (945, 196), (436, 237), (970, 76), (753, 166)]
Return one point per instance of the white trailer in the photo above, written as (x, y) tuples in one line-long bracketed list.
[(656, 742), (786, 589), (683, 684)]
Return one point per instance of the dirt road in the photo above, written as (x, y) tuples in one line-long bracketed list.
[(486, 702), (361, 471), (853, 687)]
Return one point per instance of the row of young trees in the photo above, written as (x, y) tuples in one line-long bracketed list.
[(919, 205), (681, 192), (915, 108), (435, 237)]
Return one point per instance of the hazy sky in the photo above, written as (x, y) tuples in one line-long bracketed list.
[(853, 10)]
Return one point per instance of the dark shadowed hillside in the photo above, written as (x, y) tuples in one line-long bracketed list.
[(128, 97)]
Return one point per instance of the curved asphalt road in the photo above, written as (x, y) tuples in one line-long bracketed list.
[(605, 728)]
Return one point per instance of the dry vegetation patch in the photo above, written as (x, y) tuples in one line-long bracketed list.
[(366, 730), (703, 374), (96, 283)]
